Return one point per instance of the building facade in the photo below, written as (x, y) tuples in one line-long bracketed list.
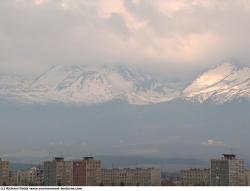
[(87, 172), (4, 172), (79, 173), (58, 172), (247, 177), (227, 171), (195, 177), (131, 177)]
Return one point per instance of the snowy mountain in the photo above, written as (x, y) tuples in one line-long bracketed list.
[(87, 85), (221, 84), (12, 87)]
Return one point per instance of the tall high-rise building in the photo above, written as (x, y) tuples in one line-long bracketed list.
[(79, 173), (4, 172), (58, 172), (87, 172), (227, 171), (68, 173)]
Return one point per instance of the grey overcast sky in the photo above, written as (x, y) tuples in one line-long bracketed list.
[(181, 35)]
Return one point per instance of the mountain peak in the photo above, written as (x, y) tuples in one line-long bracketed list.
[(220, 84), (85, 84)]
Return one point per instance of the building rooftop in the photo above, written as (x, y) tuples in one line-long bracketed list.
[(59, 158), (88, 158), (229, 156)]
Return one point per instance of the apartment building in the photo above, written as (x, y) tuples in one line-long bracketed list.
[(29, 177), (58, 172), (131, 177), (227, 171), (87, 172), (247, 177), (4, 172), (195, 177)]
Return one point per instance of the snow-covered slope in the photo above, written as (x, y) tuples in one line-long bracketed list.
[(221, 84), (85, 85), (13, 87), (88, 85)]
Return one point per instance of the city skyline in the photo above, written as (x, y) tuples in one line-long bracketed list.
[(229, 170)]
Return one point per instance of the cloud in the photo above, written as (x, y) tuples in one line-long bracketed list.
[(39, 2), (182, 34), (212, 142)]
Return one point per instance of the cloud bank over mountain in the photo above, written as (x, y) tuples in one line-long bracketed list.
[(168, 36)]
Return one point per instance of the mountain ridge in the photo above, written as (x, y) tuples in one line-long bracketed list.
[(87, 85), (83, 85)]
